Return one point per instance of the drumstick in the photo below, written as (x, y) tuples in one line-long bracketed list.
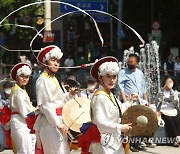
[(75, 120), (78, 103)]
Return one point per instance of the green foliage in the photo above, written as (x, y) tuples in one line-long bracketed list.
[(7, 6)]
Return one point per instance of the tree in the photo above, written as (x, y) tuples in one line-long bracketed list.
[(26, 16)]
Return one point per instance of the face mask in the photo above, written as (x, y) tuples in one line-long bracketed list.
[(91, 88), (7, 91), (131, 66)]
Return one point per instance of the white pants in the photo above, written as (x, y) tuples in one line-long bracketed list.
[(52, 142), (97, 148), (33, 140), (22, 140)]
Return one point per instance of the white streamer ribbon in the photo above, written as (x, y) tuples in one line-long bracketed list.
[(78, 10)]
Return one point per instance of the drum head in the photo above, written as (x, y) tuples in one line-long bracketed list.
[(76, 112)]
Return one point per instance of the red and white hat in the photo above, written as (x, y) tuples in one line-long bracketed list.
[(49, 52), (19, 69), (105, 65)]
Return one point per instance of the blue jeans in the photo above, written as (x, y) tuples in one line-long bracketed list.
[(2, 137)]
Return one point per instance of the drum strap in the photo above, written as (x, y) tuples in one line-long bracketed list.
[(111, 97), (120, 113)]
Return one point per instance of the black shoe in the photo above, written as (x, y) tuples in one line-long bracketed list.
[(176, 144), (1, 148), (133, 149), (141, 148)]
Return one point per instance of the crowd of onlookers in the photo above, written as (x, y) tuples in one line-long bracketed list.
[(172, 67)]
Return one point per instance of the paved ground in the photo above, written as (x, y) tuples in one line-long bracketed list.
[(157, 150)]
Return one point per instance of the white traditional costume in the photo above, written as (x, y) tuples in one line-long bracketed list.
[(50, 101), (106, 112), (21, 106)]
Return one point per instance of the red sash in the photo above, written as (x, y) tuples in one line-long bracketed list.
[(59, 111), (4, 119)]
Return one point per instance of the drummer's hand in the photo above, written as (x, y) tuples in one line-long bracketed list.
[(63, 128), (125, 128), (73, 90), (147, 104)]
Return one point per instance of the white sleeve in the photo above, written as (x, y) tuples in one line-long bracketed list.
[(21, 104), (125, 106), (49, 111), (44, 91), (100, 113), (46, 101)]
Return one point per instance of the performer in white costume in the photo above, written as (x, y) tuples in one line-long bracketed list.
[(106, 110), (51, 133), (20, 106)]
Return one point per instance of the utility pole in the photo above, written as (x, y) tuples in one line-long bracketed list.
[(47, 7), (119, 40), (111, 33), (61, 31)]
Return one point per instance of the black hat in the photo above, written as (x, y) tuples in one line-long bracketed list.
[(72, 81)]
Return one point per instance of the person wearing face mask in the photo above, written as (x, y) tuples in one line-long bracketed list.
[(168, 108), (132, 80), (51, 132), (91, 88), (7, 86), (4, 102)]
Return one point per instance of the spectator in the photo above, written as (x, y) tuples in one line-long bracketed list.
[(72, 86), (168, 107), (72, 39), (177, 67), (91, 88), (82, 71), (132, 81), (169, 66), (69, 62), (4, 102)]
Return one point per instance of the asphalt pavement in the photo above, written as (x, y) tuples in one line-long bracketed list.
[(156, 150)]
